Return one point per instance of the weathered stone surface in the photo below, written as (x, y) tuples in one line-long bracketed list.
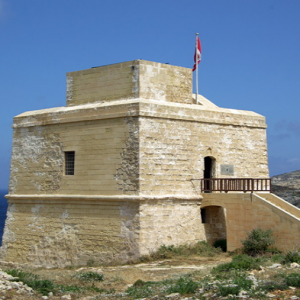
[(133, 79), (245, 212), (10, 283), (140, 142)]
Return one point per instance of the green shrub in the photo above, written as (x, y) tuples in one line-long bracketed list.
[(291, 257), (183, 286), (140, 289), (204, 249), (42, 286), (168, 251), (201, 248), (278, 258), (81, 289), (139, 282), (293, 279), (235, 282), (273, 251), (222, 243), (239, 262), (231, 289), (90, 276), (46, 286), (270, 286), (242, 281), (258, 241)]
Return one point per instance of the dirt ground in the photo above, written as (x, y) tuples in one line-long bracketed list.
[(118, 278)]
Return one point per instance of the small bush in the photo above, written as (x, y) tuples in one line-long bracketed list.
[(222, 243), (242, 281), (204, 249), (140, 289), (291, 257), (42, 286), (236, 283), (273, 251), (201, 248), (293, 279), (183, 286), (139, 282), (231, 289), (278, 258), (258, 241), (270, 286), (90, 276), (239, 262)]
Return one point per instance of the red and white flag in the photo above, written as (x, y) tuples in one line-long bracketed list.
[(197, 56)]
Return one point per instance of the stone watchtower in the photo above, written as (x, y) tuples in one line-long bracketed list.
[(111, 176)]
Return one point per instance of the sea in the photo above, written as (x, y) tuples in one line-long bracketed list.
[(3, 210)]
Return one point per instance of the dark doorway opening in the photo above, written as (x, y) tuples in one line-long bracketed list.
[(209, 163), (207, 167), (214, 221)]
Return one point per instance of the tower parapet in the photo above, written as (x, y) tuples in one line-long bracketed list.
[(128, 80)]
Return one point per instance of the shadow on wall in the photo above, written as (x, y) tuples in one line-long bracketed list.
[(213, 218)]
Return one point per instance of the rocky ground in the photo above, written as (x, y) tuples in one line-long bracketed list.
[(119, 278)]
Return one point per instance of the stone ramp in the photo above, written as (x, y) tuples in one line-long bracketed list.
[(284, 220), (283, 204)]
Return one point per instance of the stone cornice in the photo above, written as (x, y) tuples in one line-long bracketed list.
[(32, 198), (139, 108)]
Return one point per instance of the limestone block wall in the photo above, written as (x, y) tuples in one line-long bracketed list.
[(128, 80), (245, 212), (169, 222), (59, 233), (105, 83), (172, 153), (164, 82), (106, 158)]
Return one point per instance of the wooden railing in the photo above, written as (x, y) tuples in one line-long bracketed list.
[(235, 185)]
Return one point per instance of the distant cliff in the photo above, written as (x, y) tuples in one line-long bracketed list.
[(287, 186)]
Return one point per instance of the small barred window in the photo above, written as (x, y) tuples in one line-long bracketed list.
[(69, 162)]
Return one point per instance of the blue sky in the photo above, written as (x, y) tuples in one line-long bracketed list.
[(250, 56)]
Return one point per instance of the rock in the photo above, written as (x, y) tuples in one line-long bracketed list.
[(274, 266), (262, 269), (207, 295), (254, 280), (269, 295), (173, 295), (67, 297), (243, 293), (294, 265), (15, 285)]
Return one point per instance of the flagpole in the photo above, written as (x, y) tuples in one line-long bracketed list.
[(196, 68)]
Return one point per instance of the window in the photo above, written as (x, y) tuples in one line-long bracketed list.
[(69, 162)]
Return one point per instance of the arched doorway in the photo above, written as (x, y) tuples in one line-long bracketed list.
[(209, 171)]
